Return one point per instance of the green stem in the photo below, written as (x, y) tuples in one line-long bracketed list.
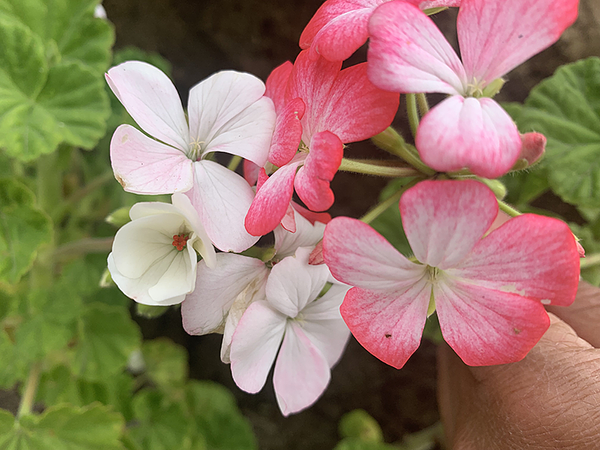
[(30, 389), (80, 194), (378, 168), (423, 104), (83, 246), (234, 163), (391, 141), (590, 261), (512, 212), (392, 199), (413, 113)]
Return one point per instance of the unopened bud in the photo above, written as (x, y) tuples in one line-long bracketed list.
[(533, 146), (580, 249), (119, 217)]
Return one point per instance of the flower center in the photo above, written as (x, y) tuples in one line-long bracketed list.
[(180, 240), (196, 149)]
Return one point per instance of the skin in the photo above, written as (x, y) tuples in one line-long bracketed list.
[(549, 400)]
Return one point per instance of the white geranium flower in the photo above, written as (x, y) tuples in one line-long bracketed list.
[(154, 256)]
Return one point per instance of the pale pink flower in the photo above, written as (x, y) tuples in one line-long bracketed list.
[(319, 108), (340, 27), (305, 332), (227, 113), (409, 54), (489, 293)]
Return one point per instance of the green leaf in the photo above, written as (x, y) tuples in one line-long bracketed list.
[(69, 26), (359, 424), (591, 244), (566, 109), (217, 417), (166, 363), (23, 229), (65, 428), (106, 339)]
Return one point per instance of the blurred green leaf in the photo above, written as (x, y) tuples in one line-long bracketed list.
[(150, 312), (566, 109), (360, 425), (591, 244), (23, 229), (166, 363), (107, 337), (358, 444)]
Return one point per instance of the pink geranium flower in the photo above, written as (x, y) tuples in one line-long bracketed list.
[(227, 113), (319, 108), (408, 54), (489, 293), (304, 331), (339, 27)]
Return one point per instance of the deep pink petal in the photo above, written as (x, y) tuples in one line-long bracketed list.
[(359, 256), (222, 199), (408, 53), (320, 166), (497, 35), (271, 201), (388, 324), (254, 345), (529, 255), (444, 220), (468, 132), (152, 100), (301, 371), (485, 326), (277, 85), (288, 133), (205, 309), (145, 166), (311, 216)]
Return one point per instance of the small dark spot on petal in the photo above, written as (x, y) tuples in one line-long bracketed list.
[(520, 36), (388, 335), (120, 180), (516, 330)]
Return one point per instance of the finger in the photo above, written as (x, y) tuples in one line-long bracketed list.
[(584, 314)]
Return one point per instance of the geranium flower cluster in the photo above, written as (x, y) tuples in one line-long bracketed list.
[(296, 303)]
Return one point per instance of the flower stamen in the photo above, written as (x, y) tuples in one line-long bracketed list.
[(180, 241)]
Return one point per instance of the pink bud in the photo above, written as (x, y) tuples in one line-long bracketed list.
[(580, 250), (534, 146)]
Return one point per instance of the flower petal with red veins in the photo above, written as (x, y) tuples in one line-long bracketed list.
[(145, 166), (222, 199), (288, 133), (444, 220), (496, 36), (408, 53), (204, 310), (271, 201), (255, 344), (468, 132), (388, 325), (152, 100), (311, 216), (277, 85), (320, 166), (530, 255), (487, 327), (358, 255), (301, 372)]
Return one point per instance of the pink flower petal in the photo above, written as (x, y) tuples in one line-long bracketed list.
[(152, 100), (301, 372), (485, 326), (306, 235), (228, 113), (277, 85), (468, 132), (271, 201), (388, 324), (357, 255), (530, 255), (222, 199), (288, 133), (255, 344), (145, 166), (320, 166), (204, 310), (444, 220), (311, 216), (408, 53), (251, 172), (497, 35)]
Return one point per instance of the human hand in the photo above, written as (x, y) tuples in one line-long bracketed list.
[(549, 400)]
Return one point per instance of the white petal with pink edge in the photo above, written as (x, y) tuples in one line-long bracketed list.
[(388, 324), (529, 255), (444, 220), (145, 166), (485, 326), (408, 53), (357, 255), (222, 199), (306, 235), (469, 133), (301, 371), (152, 100)]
